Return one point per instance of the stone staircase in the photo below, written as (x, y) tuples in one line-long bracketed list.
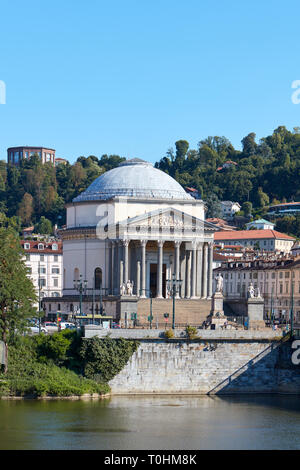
[(187, 312)]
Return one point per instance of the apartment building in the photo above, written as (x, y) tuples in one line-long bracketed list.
[(44, 261), (277, 278)]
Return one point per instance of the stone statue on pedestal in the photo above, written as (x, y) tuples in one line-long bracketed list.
[(219, 280)]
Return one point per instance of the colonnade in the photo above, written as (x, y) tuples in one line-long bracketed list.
[(192, 264)]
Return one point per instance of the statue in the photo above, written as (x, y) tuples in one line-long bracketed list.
[(122, 289), (129, 287), (251, 291), (219, 280)]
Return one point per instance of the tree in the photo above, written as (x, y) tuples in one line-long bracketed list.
[(213, 206), (44, 226), (26, 209), (17, 293), (247, 208)]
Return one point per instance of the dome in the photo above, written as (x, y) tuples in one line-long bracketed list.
[(134, 178)]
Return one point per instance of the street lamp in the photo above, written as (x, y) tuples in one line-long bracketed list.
[(174, 286), (81, 287), (150, 317)]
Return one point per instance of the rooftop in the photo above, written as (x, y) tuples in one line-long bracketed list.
[(250, 234)]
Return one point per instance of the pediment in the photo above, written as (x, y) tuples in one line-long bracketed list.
[(169, 218)]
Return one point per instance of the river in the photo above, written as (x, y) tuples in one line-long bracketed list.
[(152, 422)]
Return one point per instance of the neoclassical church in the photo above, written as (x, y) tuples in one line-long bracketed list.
[(132, 231)]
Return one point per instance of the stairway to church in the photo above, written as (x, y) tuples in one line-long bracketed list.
[(187, 312)]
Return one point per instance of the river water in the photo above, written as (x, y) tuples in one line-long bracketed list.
[(147, 422)]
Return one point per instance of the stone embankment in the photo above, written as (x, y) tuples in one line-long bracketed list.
[(218, 362)]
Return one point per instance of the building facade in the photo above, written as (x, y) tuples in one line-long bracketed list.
[(229, 209), (16, 154), (276, 278), (135, 227), (44, 264), (268, 240)]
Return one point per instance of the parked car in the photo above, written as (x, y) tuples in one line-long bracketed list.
[(115, 325), (67, 325), (35, 329), (51, 326)]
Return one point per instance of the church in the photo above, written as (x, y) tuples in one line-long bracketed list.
[(130, 237)]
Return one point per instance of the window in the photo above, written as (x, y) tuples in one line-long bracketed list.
[(42, 257), (55, 270), (27, 257), (55, 282), (55, 258), (54, 246), (42, 282), (26, 246), (55, 294), (280, 275), (40, 246), (286, 274), (280, 288), (42, 270), (98, 278)]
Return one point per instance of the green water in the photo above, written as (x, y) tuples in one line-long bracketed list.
[(136, 423)]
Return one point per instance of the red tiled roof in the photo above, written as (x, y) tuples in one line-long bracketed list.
[(47, 247), (250, 235)]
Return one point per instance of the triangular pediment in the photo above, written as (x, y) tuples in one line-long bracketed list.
[(169, 218)]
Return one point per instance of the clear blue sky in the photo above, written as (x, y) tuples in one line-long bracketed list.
[(132, 77)]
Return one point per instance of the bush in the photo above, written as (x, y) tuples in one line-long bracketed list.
[(27, 375), (169, 334), (191, 332), (103, 358)]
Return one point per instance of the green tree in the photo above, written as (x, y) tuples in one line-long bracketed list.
[(17, 292), (44, 226)]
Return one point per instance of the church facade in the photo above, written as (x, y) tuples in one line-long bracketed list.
[(131, 232)]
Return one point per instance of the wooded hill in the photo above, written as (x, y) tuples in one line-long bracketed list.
[(261, 173)]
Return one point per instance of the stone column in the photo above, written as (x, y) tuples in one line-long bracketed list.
[(160, 255), (205, 266), (143, 246), (121, 274), (210, 269), (194, 271), (183, 277), (188, 274), (112, 277), (138, 278), (199, 269), (177, 262), (126, 244)]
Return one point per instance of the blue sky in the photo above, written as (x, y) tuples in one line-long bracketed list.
[(132, 77)]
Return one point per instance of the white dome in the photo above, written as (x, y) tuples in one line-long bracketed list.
[(134, 178)]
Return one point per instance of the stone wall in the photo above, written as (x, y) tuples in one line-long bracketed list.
[(209, 367)]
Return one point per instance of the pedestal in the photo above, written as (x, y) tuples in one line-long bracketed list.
[(217, 316), (255, 307), (126, 306)]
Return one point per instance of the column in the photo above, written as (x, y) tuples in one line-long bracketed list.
[(125, 244), (188, 274), (205, 266), (199, 269), (143, 246), (116, 269), (183, 277), (177, 263), (121, 274), (138, 278), (210, 270), (112, 249), (194, 271), (160, 254)]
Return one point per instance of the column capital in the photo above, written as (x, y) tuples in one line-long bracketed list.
[(126, 242), (143, 242), (177, 242), (160, 243)]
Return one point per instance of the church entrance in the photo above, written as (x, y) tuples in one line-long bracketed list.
[(153, 280)]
